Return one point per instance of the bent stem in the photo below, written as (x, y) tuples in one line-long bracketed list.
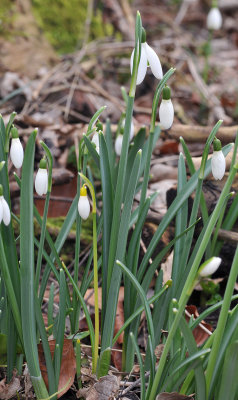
[(95, 271)]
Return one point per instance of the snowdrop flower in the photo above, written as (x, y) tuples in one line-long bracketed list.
[(166, 109), (83, 204), (209, 267), (131, 130), (214, 19), (5, 214), (16, 150), (41, 181), (148, 56), (218, 160), (95, 140), (118, 144)]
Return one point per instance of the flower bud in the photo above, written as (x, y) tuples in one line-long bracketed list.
[(95, 140), (83, 204), (218, 161), (118, 144), (41, 181), (214, 19), (166, 110), (5, 214), (16, 150), (209, 267)]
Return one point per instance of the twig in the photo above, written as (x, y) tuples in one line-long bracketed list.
[(134, 384)]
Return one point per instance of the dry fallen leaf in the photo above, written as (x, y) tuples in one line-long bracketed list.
[(167, 267), (9, 390), (68, 365), (202, 331), (106, 388)]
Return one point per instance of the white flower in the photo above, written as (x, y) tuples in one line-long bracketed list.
[(95, 140), (16, 153), (218, 164), (214, 19), (5, 214), (41, 181), (131, 130), (166, 114), (209, 267), (83, 204), (118, 144), (148, 56)]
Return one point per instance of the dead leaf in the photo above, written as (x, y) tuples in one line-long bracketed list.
[(106, 388), (117, 356), (68, 365), (9, 390), (169, 147), (167, 267), (173, 396), (202, 332)]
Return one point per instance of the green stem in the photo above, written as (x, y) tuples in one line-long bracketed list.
[(42, 240), (95, 271), (191, 279)]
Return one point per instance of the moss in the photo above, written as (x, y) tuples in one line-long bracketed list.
[(6, 17), (63, 23)]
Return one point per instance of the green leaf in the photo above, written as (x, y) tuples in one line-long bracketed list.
[(103, 362), (229, 383)]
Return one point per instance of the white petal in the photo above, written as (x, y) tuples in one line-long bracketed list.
[(210, 266), (1, 209), (41, 181), (154, 62), (95, 139), (16, 153), (6, 215), (214, 19), (166, 114), (83, 207), (132, 128), (118, 144), (218, 164), (142, 65)]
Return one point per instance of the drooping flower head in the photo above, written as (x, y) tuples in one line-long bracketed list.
[(218, 160), (148, 56), (209, 267), (16, 150), (118, 144), (95, 140), (5, 214), (214, 19), (166, 109), (41, 181), (83, 203)]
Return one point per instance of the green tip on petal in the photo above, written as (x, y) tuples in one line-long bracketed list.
[(143, 35), (43, 163), (216, 144), (1, 190), (14, 133), (166, 93)]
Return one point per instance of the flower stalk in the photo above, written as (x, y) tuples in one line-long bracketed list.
[(95, 271)]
